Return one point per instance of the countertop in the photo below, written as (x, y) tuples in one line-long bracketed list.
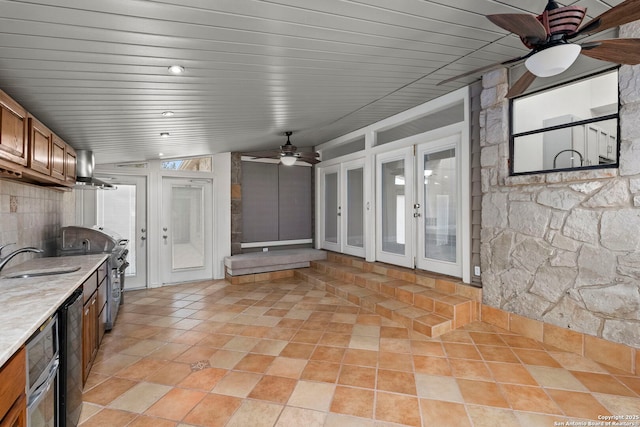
[(25, 304)]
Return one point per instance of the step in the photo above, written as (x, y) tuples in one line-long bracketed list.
[(428, 304)]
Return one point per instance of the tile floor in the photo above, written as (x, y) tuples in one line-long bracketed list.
[(282, 353)]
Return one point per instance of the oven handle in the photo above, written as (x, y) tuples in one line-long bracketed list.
[(44, 387)]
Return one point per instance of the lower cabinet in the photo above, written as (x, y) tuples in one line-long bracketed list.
[(94, 291), (13, 402)]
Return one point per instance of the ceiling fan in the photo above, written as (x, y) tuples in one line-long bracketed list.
[(288, 154), (549, 36)]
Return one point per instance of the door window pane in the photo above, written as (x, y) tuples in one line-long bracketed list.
[(355, 207), (331, 207), (440, 207), (116, 211), (393, 218), (187, 227)]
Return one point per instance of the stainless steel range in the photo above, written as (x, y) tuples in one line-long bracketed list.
[(76, 240)]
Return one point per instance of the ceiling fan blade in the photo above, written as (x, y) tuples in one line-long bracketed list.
[(521, 85), (310, 160), (619, 51), (621, 14), (523, 24), (484, 69)]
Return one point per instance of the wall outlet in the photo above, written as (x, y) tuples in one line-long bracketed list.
[(476, 270), (265, 249)]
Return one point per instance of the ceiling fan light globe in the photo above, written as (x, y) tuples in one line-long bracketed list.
[(553, 60), (288, 160)]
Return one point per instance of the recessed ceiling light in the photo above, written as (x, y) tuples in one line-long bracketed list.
[(160, 154), (165, 134), (168, 113), (176, 69)]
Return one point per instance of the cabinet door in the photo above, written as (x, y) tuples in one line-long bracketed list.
[(89, 335), (13, 131), (40, 141), (17, 415), (70, 165), (57, 158)]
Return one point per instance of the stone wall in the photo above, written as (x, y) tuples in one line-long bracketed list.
[(564, 248)]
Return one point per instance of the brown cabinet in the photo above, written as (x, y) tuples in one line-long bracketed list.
[(13, 405), (89, 324), (94, 291), (40, 142), (58, 158), (13, 131), (70, 165), (30, 151)]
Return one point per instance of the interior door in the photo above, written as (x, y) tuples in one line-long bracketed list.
[(352, 186), (186, 230), (394, 207), (124, 210), (332, 210), (438, 206)]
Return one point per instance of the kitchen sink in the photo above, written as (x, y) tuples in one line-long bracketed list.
[(40, 272)]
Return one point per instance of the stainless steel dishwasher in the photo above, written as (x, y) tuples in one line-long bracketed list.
[(70, 319), (42, 376)]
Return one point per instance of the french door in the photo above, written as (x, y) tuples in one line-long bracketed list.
[(343, 211), (394, 207), (186, 230), (124, 210), (418, 206)]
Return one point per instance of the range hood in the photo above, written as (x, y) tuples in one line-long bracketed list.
[(85, 163)]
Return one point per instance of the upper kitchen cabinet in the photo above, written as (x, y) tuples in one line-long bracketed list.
[(40, 143), (58, 158), (70, 165), (13, 124)]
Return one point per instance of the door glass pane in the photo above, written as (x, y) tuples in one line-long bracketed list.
[(440, 208), (331, 207), (187, 227), (117, 212), (355, 206), (393, 213)]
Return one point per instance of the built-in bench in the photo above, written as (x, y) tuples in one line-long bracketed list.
[(276, 260)]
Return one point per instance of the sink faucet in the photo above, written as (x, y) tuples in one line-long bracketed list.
[(6, 259)]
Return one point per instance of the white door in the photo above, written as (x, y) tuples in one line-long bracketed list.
[(186, 230), (332, 209), (394, 207), (352, 218), (439, 210), (124, 210)]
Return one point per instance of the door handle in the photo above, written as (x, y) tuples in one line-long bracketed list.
[(143, 238), (417, 215), (165, 237)]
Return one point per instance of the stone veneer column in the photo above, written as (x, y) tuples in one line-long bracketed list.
[(563, 247)]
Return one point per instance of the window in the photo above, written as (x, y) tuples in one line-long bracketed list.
[(195, 164), (573, 126)]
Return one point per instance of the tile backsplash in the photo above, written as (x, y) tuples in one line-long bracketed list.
[(31, 215)]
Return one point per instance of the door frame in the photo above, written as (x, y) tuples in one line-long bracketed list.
[(167, 275)]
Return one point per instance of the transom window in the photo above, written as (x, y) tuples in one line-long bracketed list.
[(573, 126)]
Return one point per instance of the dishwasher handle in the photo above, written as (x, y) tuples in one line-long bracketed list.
[(44, 386)]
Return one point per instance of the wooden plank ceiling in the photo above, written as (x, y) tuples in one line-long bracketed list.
[(95, 71)]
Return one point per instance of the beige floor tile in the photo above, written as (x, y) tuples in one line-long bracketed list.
[(556, 378), (140, 397), (287, 367), (337, 420), (226, 359), (444, 414), (485, 416), (361, 342), (438, 388), (312, 395), (255, 414), (296, 417), (237, 384)]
